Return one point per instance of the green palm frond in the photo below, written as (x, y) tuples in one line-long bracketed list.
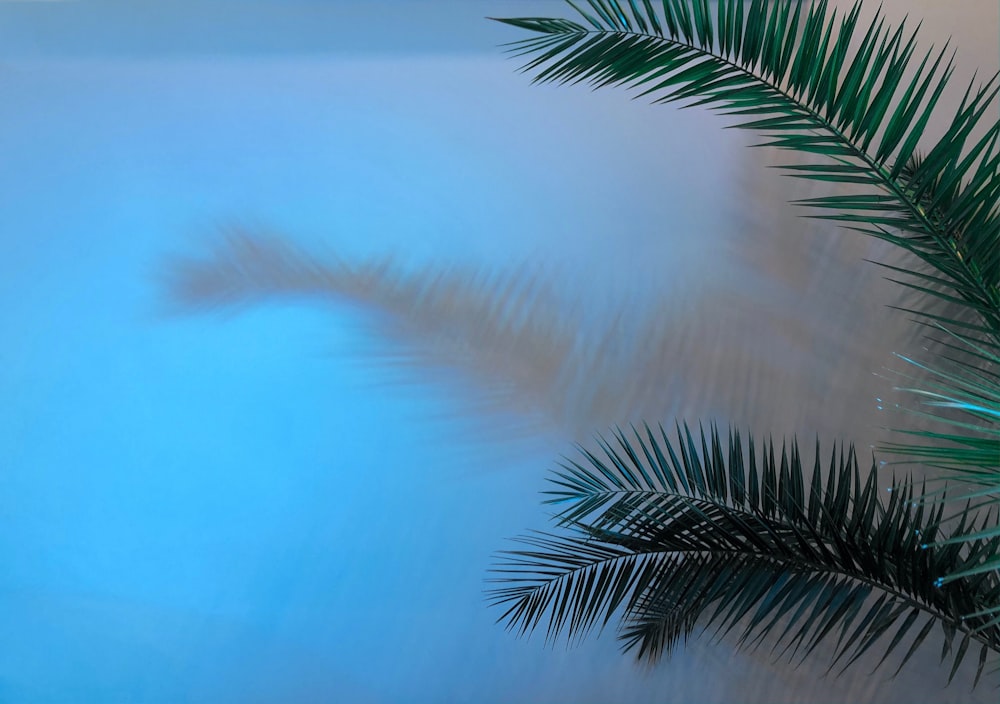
[(709, 533), (962, 391), (787, 70)]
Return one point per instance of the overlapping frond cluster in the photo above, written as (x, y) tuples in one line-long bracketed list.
[(822, 85), (709, 532), (856, 98)]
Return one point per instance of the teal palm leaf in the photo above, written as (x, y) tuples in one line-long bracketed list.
[(962, 392), (786, 69), (706, 532)]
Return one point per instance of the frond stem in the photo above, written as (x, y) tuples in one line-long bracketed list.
[(809, 567)]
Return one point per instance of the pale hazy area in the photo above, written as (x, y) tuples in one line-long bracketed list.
[(298, 320)]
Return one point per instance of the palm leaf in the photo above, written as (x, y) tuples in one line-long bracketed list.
[(962, 391), (707, 532), (787, 71)]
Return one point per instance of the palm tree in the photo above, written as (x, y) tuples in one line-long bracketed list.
[(676, 536)]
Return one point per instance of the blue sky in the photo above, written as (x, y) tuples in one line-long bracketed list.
[(233, 508)]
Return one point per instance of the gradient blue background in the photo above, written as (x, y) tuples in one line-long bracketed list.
[(233, 509)]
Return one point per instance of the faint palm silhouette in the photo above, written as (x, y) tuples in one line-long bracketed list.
[(529, 346)]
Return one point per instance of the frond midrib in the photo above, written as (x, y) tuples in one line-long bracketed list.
[(805, 567)]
